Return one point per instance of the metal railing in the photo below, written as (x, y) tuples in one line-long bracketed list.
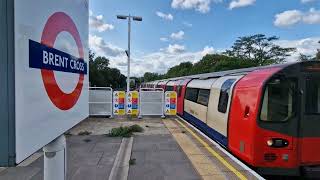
[(151, 102), (100, 101)]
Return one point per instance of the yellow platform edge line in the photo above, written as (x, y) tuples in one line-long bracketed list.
[(214, 153)]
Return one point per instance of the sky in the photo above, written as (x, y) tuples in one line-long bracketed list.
[(175, 31)]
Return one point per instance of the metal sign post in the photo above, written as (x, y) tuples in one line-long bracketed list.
[(134, 18), (55, 159)]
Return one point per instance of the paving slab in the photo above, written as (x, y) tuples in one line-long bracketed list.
[(91, 159), (159, 157)]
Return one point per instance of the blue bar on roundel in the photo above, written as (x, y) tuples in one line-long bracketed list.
[(44, 57)]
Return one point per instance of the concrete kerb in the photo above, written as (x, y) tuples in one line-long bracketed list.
[(120, 169)]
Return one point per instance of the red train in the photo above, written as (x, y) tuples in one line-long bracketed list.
[(266, 116)]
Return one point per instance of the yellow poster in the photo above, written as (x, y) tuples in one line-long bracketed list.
[(122, 94), (121, 112), (135, 94)]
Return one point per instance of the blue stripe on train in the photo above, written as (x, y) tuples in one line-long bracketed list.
[(213, 134)]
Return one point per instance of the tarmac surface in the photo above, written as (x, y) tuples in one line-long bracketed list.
[(154, 154)]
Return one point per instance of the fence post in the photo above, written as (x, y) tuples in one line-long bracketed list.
[(140, 116), (111, 115), (163, 94)]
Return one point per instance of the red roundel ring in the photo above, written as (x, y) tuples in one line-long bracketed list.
[(56, 24)]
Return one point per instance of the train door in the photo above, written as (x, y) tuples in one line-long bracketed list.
[(310, 120), (218, 109), (181, 89)]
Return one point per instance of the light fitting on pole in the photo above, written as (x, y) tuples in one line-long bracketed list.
[(137, 18), (121, 17)]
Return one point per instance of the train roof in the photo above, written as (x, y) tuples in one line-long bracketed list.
[(242, 71)]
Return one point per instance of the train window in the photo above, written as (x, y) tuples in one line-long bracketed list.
[(169, 88), (312, 104), (203, 97), (224, 95), (192, 94), (278, 100)]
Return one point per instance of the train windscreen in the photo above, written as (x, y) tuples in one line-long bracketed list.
[(279, 100), (312, 105)]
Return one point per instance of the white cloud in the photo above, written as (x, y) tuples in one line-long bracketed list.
[(175, 48), (178, 35), (98, 45), (307, 1), (187, 24), (202, 6), (158, 62), (292, 17), (165, 16), (207, 50), (240, 3), (164, 39), (288, 18), (313, 17), (97, 23), (307, 46), (161, 61)]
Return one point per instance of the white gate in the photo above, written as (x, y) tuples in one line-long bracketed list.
[(100, 101), (151, 102)]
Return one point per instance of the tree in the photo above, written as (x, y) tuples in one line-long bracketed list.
[(259, 48), (183, 69), (303, 57), (91, 55), (101, 63), (206, 63), (102, 75), (148, 76), (233, 63)]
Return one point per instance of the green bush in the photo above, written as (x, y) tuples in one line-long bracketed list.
[(125, 131), (136, 128)]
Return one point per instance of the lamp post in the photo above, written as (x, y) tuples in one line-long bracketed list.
[(129, 18)]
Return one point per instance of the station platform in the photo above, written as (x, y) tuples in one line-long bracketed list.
[(167, 149)]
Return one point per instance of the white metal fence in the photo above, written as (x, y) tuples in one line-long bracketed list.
[(100, 101), (151, 102)]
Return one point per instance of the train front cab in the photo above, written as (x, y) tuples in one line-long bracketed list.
[(275, 118)]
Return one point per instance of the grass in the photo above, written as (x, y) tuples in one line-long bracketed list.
[(125, 131), (84, 133), (132, 161)]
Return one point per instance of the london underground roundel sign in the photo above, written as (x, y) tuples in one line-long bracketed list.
[(53, 59), (50, 71)]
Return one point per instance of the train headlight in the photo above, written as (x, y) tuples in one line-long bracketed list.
[(277, 143), (270, 142)]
